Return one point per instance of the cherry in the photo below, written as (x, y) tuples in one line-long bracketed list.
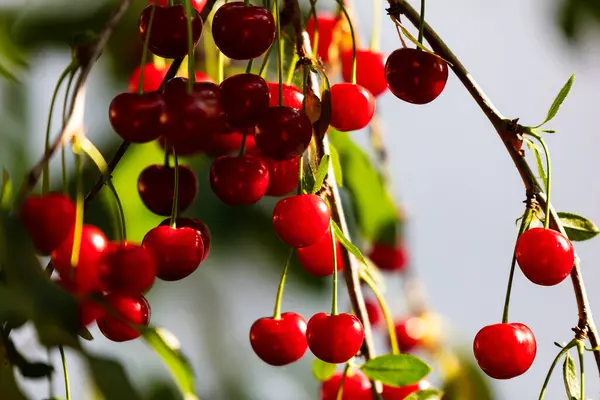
[(389, 258), (334, 338), (283, 133), (243, 32), (88, 309), (129, 310), (283, 175), (245, 99), (401, 393), (153, 77), (169, 30), (415, 76), (197, 4), (356, 387), (301, 220), (138, 118), (317, 259), (127, 268), (198, 226), (179, 251), (48, 219), (240, 180), (352, 107), (156, 186), (545, 256), (292, 96), (410, 333), (327, 24), (374, 313), (370, 70), (212, 144), (504, 351), (279, 341)]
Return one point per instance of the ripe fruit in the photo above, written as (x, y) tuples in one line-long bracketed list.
[(179, 251), (240, 180), (198, 226), (374, 313), (283, 133), (88, 309), (127, 268), (334, 338), (415, 76), (356, 387), (245, 99), (48, 219), (317, 259), (352, 107), (545, 256), (327, 24), (504, 351), (138, 118), (283, 175), (197, 4), (410, 333), (401, 393), (131, 310), (153, 77), (279, 341), (292, 96), (370, 70), (156, 186), (301, 220), (388, 258), (169, 30), (241, 32)]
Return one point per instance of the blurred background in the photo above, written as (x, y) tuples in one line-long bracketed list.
[(451, 174)]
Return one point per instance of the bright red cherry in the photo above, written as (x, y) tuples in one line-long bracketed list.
[(283, 133), (169, 30), (401, 393), (356, 387), (127, 268), (327, 24), (48, 219), (245, 99), (197, 4), (545, 256), (239, 181), (415, 76), (138, 118), (279, 341), (504, 351), (88, 309), (198, 226), (374, 313), (241, 32), (179, 251), (301, 220), (317, 259), (370, 70), (410, 333), (129, 310), (389, 258), (153, 77), (156, 186), (334, 338), (292, 96), (352, 107), (283, 175)]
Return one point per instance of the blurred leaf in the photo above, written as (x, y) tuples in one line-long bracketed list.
[(162, 391), (8, 386), (560, 98), (322, 371), (111, 379), (321, 173), (347, 243), (337, 167), (428, 394), (12, 57), (468, 382), (570, 378), (396, 370), (5, 190), (578, 228)]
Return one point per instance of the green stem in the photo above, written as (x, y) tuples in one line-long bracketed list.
[(300, 173), (122, 225), (376, 30), (387, 315), (352, 34), (580, 348), (189, 10), (220, 66), (558, 357), (63, 153), (278, 299), (243, 146), (265, 62), (548, 179), (167, 153), (279, 51), (175, 209), (340, 391), (65, 372), (145, 50), (79, 210), (313, 12), (334, 296), (249, 66), (422, 22), (291, 69)]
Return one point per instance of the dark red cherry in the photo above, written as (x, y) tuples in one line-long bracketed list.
[(127, 268), (545, 256), (410, 333), (88, 309), (292, 96), (389, 258), (156, 186), (179, 251), (138, 118), (153, 77), (48, 219), (241, 32), (370, 70), (504, 351), (169, 30), (283, 133), (334, 338), (301, 220), (415, 76), (352, 107), (327, 24), (212, 144), (240, 180), (374, 312), (197, 4), (317, 259), (245, 99), (356, 387), (283, 175), (279, 341), (198, 226), (129, 310), (401, 393)]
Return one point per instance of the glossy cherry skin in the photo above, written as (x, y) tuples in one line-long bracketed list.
[(301, 220), (132, 310), (327, 24), (334, 338), (317, 259), (212, 144), (138, 118), (179, 251), (156, 186), (127, 268), (374, 313), (245, 99), (153, 77), (415, 76), (197, 4), (545, 256), (352, 107), (88, 309), (283, 133), (48, 219), (169, 30), (401, 393), (410, 333), (281, 341), (240, 180), (370, 70), (283, 175), (388, 258), (356, 387), (504, 351), (241, 32), (292, 96), (198, 226)]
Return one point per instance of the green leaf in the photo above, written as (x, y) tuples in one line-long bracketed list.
[(337, 167), (560, 98), (8, 385), (469, 382), (396, 370), (538, 161), (427, 394), (339, 235), (111, 379), (321, 173), (570, 378), (5, 190), (322, 371), (578, 228)]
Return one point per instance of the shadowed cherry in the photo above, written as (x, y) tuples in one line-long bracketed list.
[(138, 118), (283, 175), (197, 4), (239, 180), (156, 186), (127, 268), (292, 96), (245, 99), (283, 133)]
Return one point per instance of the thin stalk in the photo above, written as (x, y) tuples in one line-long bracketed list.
[(122, 225), (243, 145), (65, 372), (265, 61), (352, 34), (63, 153), (175, 209), (279, 51), (79, 209), (334, 296), (340, 391), (422, 22), (580, 348), (145, 50), (556, 360), (291, 69), (167, 154), (376, 29), (387, 315), (189, 10), (548, 178), (249, 66), (279, 298), (220, 66)]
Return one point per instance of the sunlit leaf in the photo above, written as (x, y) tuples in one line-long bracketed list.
[(570, 378), (321, 173), (396, 370), (560, 98), (578, 228), (322, 371), (339, 235)]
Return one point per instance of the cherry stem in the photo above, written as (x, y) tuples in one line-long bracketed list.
[(389, 321), (249, 66), (548, 177), (122, 225), (564, 351), (243, 145), (345, 12), (63, 153), (279, 51), (291, 69), (174, 210), (340, 390), (189, 10), (63, 359), (79, 210), (167, 153), (220, 66), (334, 296), (422, 22), (265, 61), (376, 29), (580, 348), (145, 50), (246, 3), (313, 12), (300, 173), (279, 298)]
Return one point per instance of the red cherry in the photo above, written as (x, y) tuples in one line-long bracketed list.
[(301, 220), (545, 256), (198, 226), (292, 96), (401, 393), (374, 313), (202, 77), (88, 309), (356, 387), (197, 4), (283, 133), (504, 351), (245, 99), (279, 341), (179, 251), (241, 32), (156, 186), (48, 219), (212, 144), (239, 181), (352, 107), (389, 258), (327, 24), (283, 175), (153, 77), (127, 268), (138, 118), (334, 338), (129, 310), (317, 259), (169, 30), (370, 70), (410, 333), (415, 76)]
